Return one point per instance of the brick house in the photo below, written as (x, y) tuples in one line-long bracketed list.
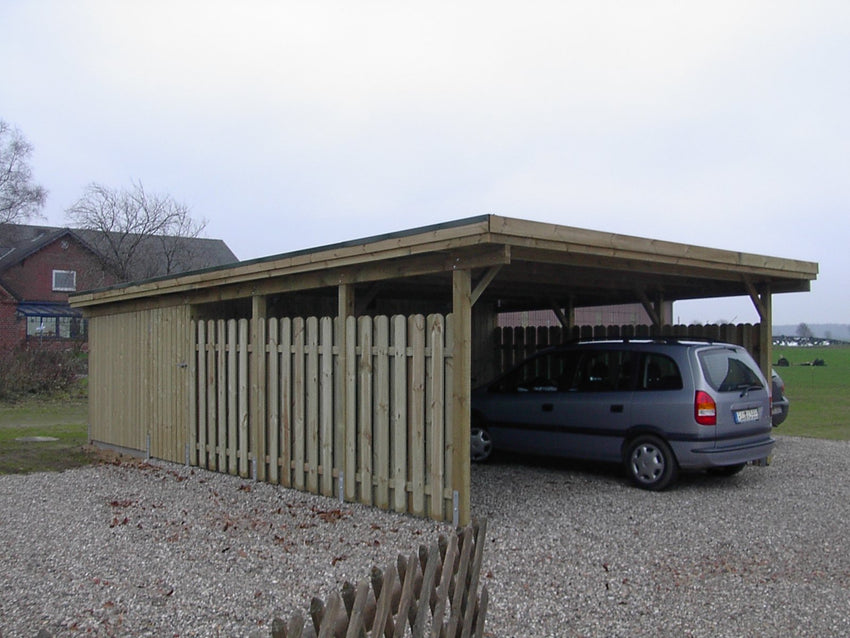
[(40, 266)]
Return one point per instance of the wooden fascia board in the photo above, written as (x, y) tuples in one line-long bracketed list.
[(579, 241), (400, 268), (654, 263), (356, 256)]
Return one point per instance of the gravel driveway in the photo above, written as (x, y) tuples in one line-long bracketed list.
[(164, 550)]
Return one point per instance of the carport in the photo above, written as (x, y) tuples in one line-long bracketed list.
[(346, 369)]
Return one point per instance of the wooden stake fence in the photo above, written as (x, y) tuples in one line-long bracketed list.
[(433, 594), (514, 344), (389, 449)]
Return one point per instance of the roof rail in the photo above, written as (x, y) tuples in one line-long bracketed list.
[(651, 338)]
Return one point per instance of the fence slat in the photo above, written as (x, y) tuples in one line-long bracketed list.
[(273, 398), (436, 409), (416, 407), (286, 400), (221, 395), (326, 407), (364, 400), (381, 413), (211, 391), (311, 388), (243, 398), (201, 427), (298, 402), (193, 394), (398, 416), (350, 380), (232, 395)]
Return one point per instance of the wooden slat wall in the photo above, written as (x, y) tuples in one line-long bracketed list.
[(139, 381), (390, 449), (516, 344)]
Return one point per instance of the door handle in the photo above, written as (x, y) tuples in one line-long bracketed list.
[(548, 407), (617, 408)]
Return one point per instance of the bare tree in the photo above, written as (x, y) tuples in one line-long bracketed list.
[(20, 198), (139, 234), (804, 331)]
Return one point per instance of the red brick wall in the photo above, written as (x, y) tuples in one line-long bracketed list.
[(32, 278), (12, 331)]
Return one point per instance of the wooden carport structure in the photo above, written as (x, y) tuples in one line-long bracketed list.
[(287, 366)]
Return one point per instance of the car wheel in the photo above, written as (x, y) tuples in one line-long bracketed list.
[(650, 463), (480, 444), (727, 470)]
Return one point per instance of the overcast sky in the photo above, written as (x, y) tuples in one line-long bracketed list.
[(290, 125)]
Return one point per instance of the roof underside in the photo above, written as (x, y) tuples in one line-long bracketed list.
[(521, 264)]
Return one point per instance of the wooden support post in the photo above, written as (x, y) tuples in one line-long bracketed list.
[(258, 385), (461, 389)]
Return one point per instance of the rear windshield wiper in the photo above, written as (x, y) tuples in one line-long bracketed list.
[(746, 387)]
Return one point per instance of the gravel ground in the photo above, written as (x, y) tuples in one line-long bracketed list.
[(159, 550)]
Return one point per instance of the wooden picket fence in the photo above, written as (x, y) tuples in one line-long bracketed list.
[(387, 448), (433, 594), (513, 344)]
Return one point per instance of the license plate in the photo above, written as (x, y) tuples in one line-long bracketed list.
[(747, 416)]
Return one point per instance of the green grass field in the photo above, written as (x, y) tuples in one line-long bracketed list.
[(819, 395), (65, 421)]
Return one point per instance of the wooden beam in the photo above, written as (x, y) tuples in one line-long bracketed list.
[(763, 302), (461, 390), (485, 281), (365, 299), (559, 313), (650, 308), (756, 298)]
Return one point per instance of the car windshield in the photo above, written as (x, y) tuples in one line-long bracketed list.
[(728, 370)]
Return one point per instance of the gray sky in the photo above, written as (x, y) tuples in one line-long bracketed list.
[(290, 125)]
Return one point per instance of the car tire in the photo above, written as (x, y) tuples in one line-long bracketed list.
[(480, 443), (727, 470), (650, 463)]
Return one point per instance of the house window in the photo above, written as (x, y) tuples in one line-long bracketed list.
[(65, 280), (56, 327)]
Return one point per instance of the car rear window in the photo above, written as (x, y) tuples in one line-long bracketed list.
[(727, 370)]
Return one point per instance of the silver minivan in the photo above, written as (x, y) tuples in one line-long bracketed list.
[(656, 406)]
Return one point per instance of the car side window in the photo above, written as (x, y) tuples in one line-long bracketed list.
[(550, 372), (605, 371), (659, 372)]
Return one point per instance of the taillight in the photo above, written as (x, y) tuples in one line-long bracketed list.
[(705, 409)]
